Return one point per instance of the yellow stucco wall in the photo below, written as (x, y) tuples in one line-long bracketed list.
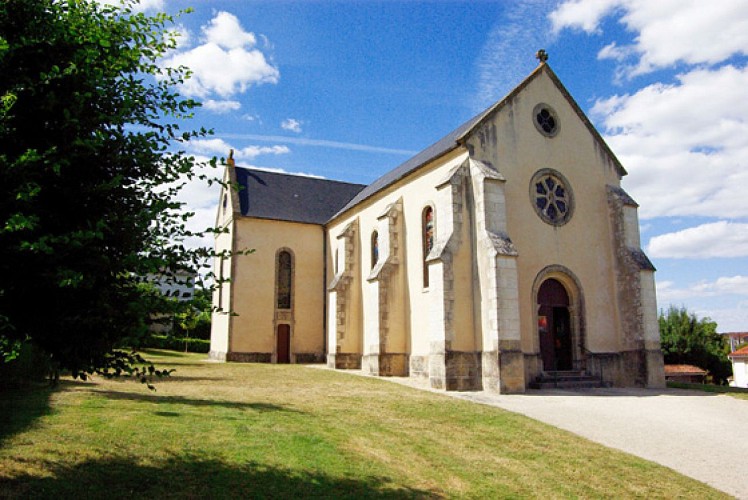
[(584, 245), (220, 319), (416, 193), (253, 290)]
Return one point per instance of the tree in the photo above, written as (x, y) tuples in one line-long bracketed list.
[(689, 340), (88, 177)]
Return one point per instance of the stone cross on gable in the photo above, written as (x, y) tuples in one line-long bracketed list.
[(541, 56)]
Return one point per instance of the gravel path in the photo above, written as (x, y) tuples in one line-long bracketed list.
[(698, 434)]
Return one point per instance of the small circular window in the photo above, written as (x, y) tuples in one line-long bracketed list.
[(545, 120), (551, 196)]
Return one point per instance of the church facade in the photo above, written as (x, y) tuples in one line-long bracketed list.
[(503, 251)]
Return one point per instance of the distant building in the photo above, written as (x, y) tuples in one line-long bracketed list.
[(739, 360), (180, 285), (685, 373), (504, 251), (735, 339)]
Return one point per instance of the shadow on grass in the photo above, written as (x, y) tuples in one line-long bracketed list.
[(156, 399), (163, 353), (194, 477), (19, 408), (173, 378)]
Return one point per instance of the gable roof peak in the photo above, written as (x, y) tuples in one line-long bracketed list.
[(457, 137)]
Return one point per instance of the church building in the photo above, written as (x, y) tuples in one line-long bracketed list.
[(504, 252)]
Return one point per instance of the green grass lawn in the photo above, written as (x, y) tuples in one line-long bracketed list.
[(249, 430), (735, 392)]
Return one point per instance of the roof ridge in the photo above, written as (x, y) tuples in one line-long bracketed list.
[(457, 137), (295, 174)]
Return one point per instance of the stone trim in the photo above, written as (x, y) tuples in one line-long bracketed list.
[(577, 313), (622, 196), (419, 366), (641, 259), (628, 285), (387, 263), (249, 357), (342, 281), (383, 275), (217, 355), (344, 361), (640, 363), (385, 364), (309, 358), (444, 372), (502, 361)]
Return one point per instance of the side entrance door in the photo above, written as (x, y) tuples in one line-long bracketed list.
[(283, 350)]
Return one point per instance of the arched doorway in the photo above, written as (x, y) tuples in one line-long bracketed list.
[(554, 326)]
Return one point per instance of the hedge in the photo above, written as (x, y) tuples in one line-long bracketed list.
[(178, 344)]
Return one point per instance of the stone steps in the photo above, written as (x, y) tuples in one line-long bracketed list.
[(573, 379)]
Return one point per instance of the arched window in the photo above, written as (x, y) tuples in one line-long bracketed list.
[(374, 248), (284, 277), (337, 260), (427, 233)]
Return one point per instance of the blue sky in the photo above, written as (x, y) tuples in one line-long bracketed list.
[(349, 90)]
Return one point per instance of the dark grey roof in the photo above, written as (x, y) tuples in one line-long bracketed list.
[(269, 195), (444, 145), (457, 136)]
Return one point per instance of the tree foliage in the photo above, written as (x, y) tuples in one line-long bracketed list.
[(687, 339), (90, 164)]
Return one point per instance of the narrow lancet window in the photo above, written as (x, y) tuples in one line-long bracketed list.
[(428, 241), (285, 268), (374, 248)]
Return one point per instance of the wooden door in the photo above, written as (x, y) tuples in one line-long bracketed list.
[(284, 344), (554, 326)]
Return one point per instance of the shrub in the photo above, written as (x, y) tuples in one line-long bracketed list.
[(28, 364), (178, 344)]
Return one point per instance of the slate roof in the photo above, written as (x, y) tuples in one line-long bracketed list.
[(270, 195), (458, 136), (444, 145)]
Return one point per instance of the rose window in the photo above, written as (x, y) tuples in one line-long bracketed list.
[(552, 197), (545, 120)]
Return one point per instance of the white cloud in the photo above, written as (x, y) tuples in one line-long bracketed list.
[(728, 319), (684, 144), (667, 293), (714, 240), (183, 37), (666, 31), (221, 148), (291, 124), (303, 141), (226, 31), (712, 299), (504, 58), (582, 14), (144, 5), (221, 107), (226, 63), (280, 171)]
